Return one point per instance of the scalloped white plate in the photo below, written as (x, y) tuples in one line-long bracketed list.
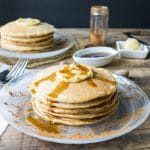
[(132, 111)]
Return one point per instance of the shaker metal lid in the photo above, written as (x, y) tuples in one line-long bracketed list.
[(104, 10)]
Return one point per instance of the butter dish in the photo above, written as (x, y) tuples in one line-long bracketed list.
[(135, 54)]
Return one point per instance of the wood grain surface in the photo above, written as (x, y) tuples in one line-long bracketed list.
[(139, 71)]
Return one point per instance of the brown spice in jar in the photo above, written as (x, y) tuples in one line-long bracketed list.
[(96, 38)]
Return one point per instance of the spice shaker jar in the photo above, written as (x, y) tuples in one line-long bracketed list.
[(98, 25)]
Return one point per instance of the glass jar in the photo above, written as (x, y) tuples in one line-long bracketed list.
[(98, 25)]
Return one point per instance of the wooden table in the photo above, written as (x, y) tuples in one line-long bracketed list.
[(139, 71)]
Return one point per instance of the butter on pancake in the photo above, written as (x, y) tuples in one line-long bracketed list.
[(76, 94), (74, 73), (28, 21)]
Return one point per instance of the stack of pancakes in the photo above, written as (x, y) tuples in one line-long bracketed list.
[(75, 103), (27, 35)]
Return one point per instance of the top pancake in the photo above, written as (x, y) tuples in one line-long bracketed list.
[(13, 29), (42, 86)]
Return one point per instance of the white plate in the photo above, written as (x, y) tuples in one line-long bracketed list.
[(63, 42), (133, 109), (140, 54)]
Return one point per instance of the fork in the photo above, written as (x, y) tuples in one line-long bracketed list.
[(17, 70)]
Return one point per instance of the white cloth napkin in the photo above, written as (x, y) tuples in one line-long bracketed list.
[(3, 123)]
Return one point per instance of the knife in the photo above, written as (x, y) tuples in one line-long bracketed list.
[(128, 34)]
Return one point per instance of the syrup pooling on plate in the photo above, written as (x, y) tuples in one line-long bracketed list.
[(42, 125)]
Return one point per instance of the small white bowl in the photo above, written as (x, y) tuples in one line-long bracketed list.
[(140, 54), (95, 61)]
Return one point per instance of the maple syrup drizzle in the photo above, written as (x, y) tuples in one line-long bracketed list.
[(30, 110), (42, 124), (106, 80), (59, 89), (91, 83), (67, 72), (33, 91), (83, 69), (51, 78)]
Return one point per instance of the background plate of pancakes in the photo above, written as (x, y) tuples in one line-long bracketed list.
[(132, 111), (63, 42), (29, 38)]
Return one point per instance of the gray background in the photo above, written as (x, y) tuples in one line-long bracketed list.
[(75, 13)]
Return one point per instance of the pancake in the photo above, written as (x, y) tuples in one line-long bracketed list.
[(27, 35), (73, 122), (35, 39), (88, 104), (77, 112), (25, 48), (72, 92), (77, 116), (16, 30), (31, 44), (57, 94)]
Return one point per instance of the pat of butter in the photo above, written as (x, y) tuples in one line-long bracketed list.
[(132, 44), (27, 21), (74, 73)]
